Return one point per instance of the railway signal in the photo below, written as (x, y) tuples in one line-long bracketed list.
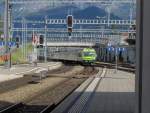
[(131, 35), (70, 21), (17, 42), (41, 40), (69, 31), (69, 24)]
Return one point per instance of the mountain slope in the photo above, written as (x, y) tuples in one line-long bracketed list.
[(88, 13)]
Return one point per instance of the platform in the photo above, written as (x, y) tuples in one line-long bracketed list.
[(115, 93)]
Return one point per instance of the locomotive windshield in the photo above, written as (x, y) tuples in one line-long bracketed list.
[(89, 54)]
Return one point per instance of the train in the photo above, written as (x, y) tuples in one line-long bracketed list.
[(88, 55), (80, 55)]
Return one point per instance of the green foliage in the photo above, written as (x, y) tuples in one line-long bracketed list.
[(1, 24), (17, 55)]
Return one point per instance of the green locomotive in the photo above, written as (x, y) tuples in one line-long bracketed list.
[(88, 55)]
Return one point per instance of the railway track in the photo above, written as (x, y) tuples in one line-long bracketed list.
[(81, 103), (77, 102), (20, 107), (63, 69), (20, 82), (38, 105), (123, 67)]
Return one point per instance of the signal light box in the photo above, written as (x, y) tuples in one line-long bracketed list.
[(70, 21), (69, 24), (70, 30)]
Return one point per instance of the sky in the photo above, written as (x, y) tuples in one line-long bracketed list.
[(31, 8)]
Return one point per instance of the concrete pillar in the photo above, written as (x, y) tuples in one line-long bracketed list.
[(143, 57)]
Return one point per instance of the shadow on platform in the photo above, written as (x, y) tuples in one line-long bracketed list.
[(100, 102), (111, 102)]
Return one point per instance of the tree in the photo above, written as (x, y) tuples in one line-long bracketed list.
[(1, 25)]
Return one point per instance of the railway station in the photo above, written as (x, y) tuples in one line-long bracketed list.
[(74, 56)]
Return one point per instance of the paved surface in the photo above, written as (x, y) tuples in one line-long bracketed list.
[(18, 70), (114, 94)]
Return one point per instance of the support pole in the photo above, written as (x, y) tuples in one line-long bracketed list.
[(116, 59), (6, 33), (143, 57), (22, 41), (45, 40)]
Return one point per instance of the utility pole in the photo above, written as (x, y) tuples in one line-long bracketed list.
[(10, 25), (34, 55), (22, 38), (6, 33), (108, 11), (116, 58), (45, 40), (26, 39), (80, 35), (131, 12)]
